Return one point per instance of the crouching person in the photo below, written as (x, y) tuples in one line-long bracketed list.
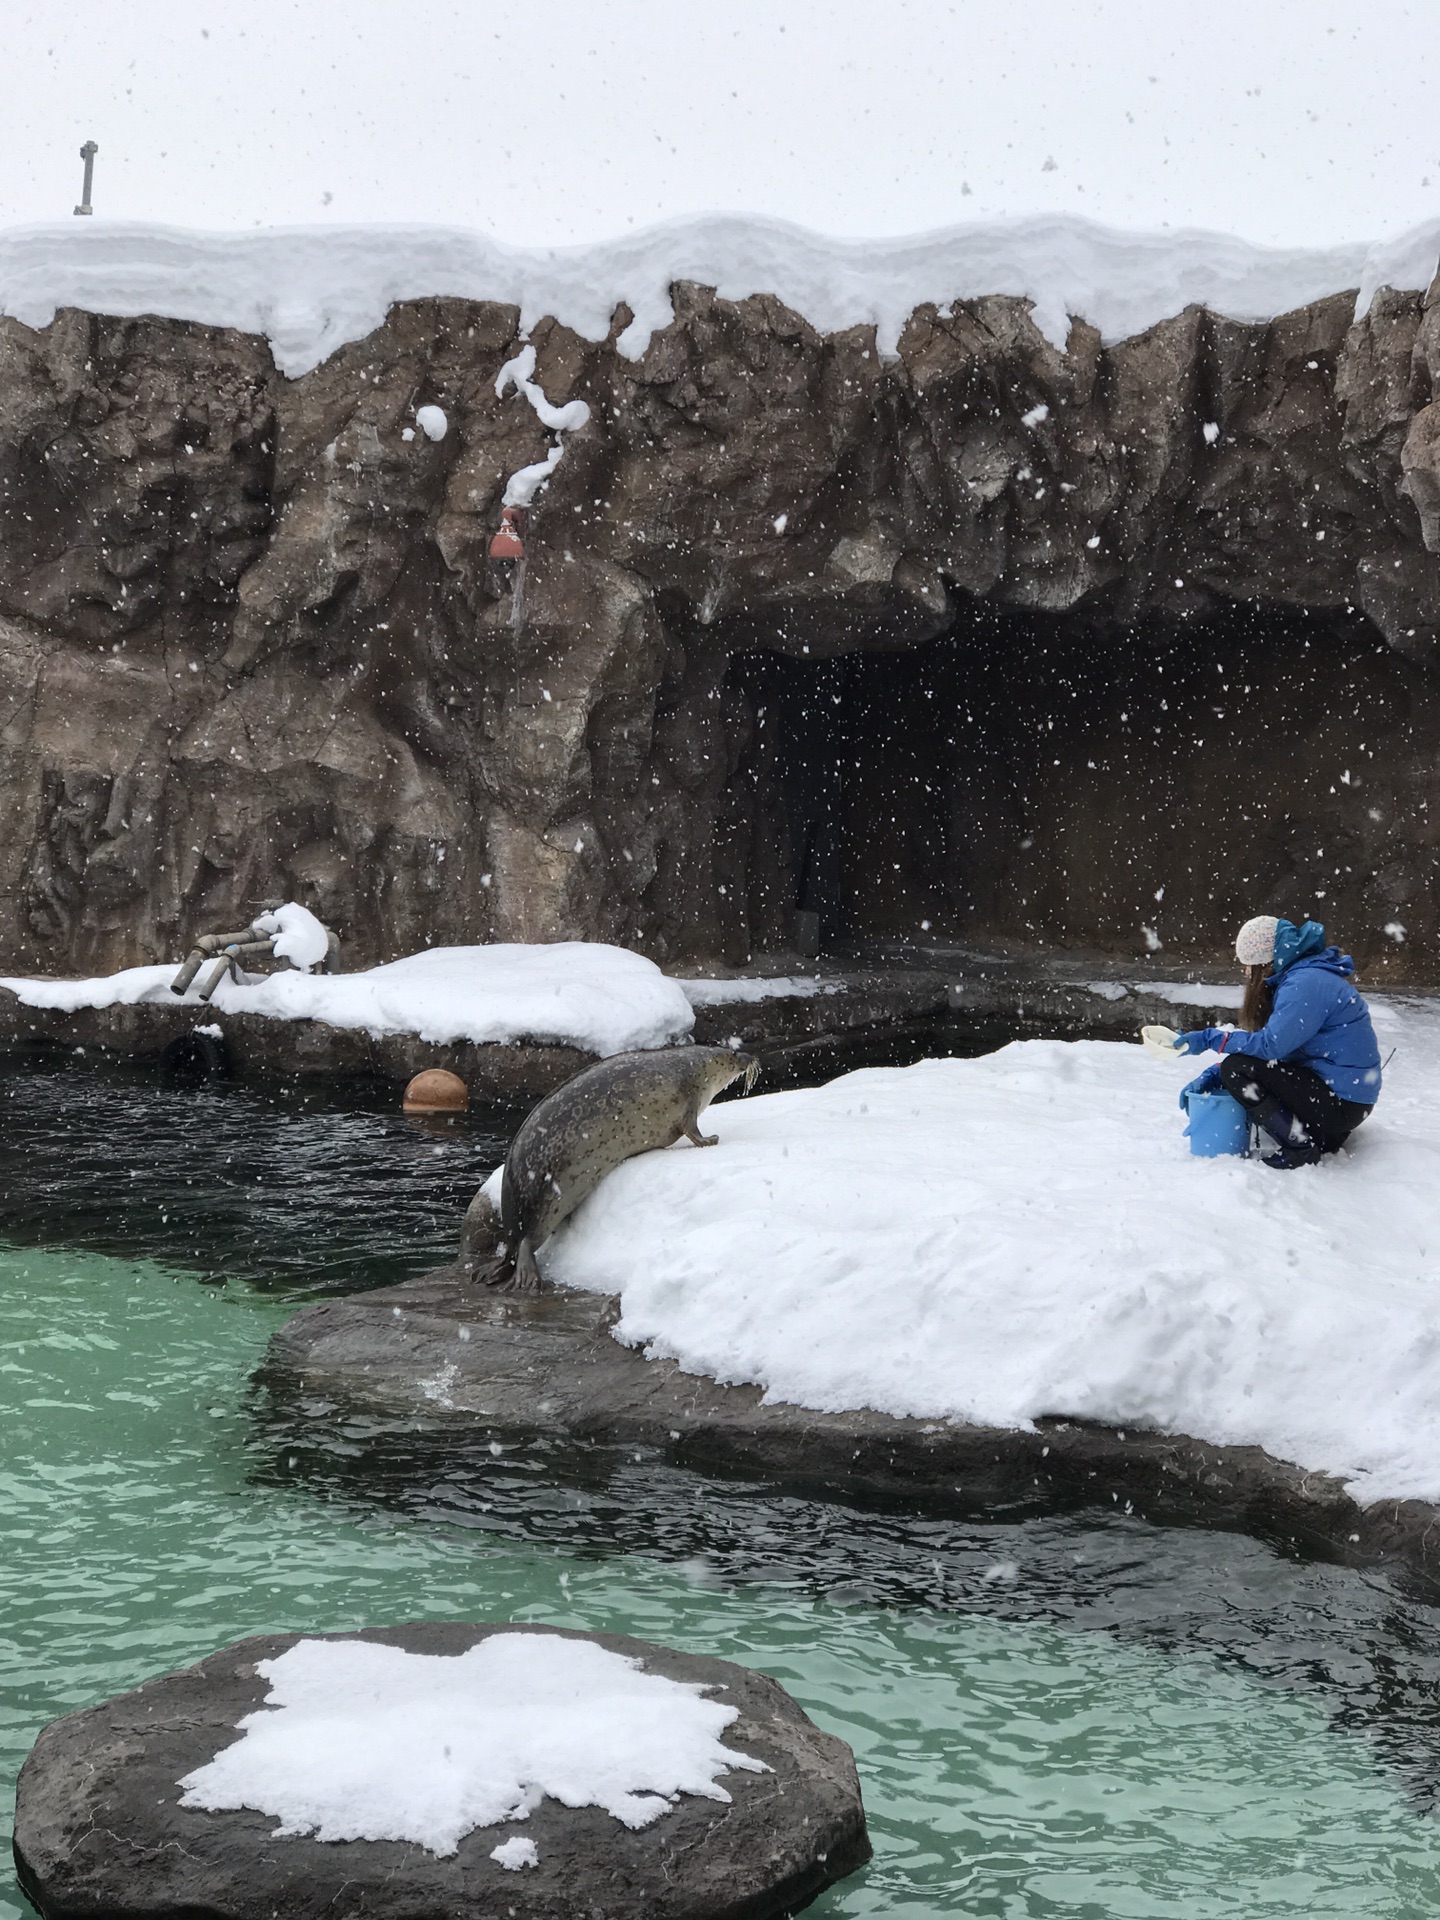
[(1305, 1063)]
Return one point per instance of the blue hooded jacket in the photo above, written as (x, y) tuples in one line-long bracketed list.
[(1319, 1019)]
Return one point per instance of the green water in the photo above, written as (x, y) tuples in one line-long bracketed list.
[(1010, 1768)]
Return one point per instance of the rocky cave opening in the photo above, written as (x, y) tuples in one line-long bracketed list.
[(1044, 780)]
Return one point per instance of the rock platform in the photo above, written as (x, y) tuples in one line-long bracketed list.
[(266, 1050), (99, 1828), (441, 1357)]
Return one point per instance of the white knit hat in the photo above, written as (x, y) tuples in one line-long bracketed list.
[(1255, 942)]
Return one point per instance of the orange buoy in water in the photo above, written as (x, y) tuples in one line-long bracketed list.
[(436, 1091), (509, 540)]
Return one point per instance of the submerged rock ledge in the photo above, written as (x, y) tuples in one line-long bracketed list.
[(440, 1354)]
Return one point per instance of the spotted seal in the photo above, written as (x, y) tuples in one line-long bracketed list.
[(628, 1104)]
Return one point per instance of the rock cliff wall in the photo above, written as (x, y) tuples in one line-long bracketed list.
[(1108, 646)]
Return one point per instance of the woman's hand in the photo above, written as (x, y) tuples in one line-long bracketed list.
[(1197, 1042), (1206, 1082)]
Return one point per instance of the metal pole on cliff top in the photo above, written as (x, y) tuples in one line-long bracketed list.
[(87, 154)]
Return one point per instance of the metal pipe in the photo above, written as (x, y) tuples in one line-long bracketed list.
[(87, 154), (212, 980), (226, 949), (181, 983), (210, 943)]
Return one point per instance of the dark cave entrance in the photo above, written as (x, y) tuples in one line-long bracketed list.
[(1047, 781)]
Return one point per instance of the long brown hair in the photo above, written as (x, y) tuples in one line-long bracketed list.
[(1259, 1001)]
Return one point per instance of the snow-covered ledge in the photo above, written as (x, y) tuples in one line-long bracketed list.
[(996, 1239), (310, 290), (580, 994), (974, 1279)]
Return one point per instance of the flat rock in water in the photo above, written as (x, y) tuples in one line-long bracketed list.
[(446, 1358), (100, 1831)]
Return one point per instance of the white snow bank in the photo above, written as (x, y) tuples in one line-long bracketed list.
[(312, 289), (1027, 1233), (364, 1742), (299, 937), (575, 994), (724, 993)]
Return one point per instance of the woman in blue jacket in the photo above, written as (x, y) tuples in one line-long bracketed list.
[(1305, 1062)]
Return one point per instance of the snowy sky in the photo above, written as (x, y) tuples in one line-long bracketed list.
[(1301, 122)]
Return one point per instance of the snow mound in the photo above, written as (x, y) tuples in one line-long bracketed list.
[(1026, 1233), (573, 994), (299, 937), (358, 1741), (310, 290)]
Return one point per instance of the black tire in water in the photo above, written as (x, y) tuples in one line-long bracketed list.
[(193, 1058)]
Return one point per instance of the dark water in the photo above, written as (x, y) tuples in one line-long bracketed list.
[(1057, 1716), (810, 1063), (1348, 1638), (326, 1188)]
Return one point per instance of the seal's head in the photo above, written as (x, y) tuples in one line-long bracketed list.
[(720, 1066)]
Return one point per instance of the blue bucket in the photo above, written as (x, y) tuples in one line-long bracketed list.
[(1216, 1124)]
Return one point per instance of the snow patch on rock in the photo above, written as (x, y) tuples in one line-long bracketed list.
[(359, 1741), (522, 486), (515, 1853), (1195, 993), (724, 993)]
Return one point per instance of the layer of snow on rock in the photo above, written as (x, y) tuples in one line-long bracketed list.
[(1027, 1233), (310, 290), (299, 937), (358, 1741), (1191, 993), (1107, 989), (724, 993), (575, 994)]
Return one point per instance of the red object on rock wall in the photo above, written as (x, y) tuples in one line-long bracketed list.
[(508, 542)]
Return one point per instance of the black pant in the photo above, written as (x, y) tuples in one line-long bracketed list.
[(1264, 1087)]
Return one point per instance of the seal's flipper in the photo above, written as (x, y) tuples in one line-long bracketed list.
[(690, 1127), (497, 1271), (527, 1277)]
